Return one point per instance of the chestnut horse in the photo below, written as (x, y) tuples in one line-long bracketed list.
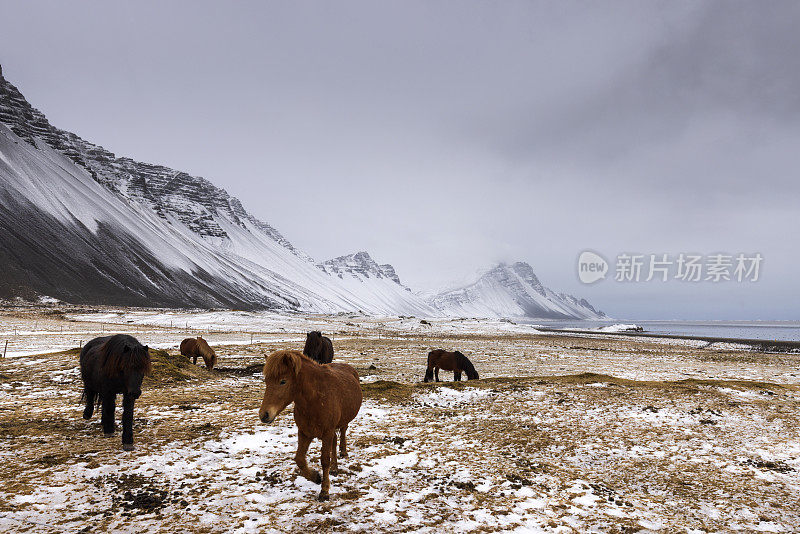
[(326, 398), (112, 365), (449, 361), (194, 347), (318, 347)]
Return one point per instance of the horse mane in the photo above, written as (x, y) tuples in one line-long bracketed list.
[(122, 353), (466, 365), (204, 349), (284, 361)]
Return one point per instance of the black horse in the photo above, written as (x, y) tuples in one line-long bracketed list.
[(111, 365), (318, 347)]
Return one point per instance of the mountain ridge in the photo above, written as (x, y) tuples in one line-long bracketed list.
[(145, 234), (83, 225)]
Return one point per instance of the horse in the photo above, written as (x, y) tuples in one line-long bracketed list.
[(111, 365), (318, 347), (326, 399), (194, 347), (449, 361)]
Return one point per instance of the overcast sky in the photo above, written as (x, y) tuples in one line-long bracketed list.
[(445, 136)]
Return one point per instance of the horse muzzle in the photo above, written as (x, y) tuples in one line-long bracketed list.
[(266, 418)]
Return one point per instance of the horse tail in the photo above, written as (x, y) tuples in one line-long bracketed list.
[(466, 365), (187, 346)]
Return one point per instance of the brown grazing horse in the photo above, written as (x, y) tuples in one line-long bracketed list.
[(326, 398), (318, 347), (194, 347), (449, 361), (111, 365)]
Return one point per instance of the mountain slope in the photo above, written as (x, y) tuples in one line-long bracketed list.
[(512, 291), (82, 225), (359, 269)]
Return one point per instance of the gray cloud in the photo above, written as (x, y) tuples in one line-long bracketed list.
[(443, 136)]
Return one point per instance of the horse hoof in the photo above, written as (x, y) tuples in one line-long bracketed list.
[(128, 447), (323, 497)]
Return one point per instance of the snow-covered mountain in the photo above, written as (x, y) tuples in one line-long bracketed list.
[(356, 270), (511, 291), (83, 225)]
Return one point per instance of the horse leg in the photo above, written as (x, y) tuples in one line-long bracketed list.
[(327, 441), (343, 442), (194, 359), (91, 399), (127, 421), (303, 442), (436, 373), (457, 376), (107, 415), (334, 458)]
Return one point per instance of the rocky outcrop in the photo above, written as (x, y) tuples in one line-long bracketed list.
[(359, 265)]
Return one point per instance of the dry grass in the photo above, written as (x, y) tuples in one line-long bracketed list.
[(551, 415)]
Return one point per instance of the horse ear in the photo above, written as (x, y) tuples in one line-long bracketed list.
[(293, 361)]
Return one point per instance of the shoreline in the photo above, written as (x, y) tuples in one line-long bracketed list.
[(762, 345)]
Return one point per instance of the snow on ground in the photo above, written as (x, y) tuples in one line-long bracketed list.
[(524, 449)]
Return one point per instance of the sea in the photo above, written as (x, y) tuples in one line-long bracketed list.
[(766, 330)]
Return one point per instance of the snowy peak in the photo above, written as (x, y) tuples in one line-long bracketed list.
[(359, 265), (526, 275), (512, 291)]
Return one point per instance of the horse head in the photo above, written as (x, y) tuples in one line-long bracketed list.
[(281, 375), (140, 366), (467, 366)]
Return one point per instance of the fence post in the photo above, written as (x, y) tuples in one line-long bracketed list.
[(5, 350)]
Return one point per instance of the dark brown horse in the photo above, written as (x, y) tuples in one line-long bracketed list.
[(318, 347), (112, 365), (194, 347), (449, 361), (326, 398)]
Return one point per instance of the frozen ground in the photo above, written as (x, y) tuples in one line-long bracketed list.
[(662, 437)]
